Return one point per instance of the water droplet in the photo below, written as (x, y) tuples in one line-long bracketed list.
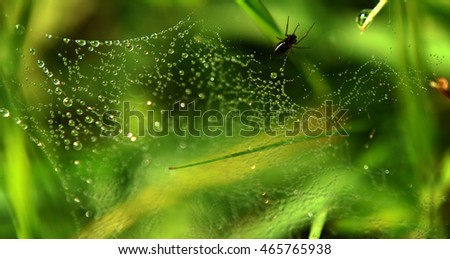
[(77, 200), (180, 35), (362, 16), (171, 51), (20, 29), (80, 42), (89, 119), (181, 72), (95, 43), (154, 36), (32, 51), (20, 123), (66, 40), (67, 102), (101, 98), (74, 133), (58, 91), (56, 81), (129, 46), (4, 113), (372, 134), (40, 63), (77, 145), (184, 55), (88, 214), (273, 75), (366, 167), (183, 144)]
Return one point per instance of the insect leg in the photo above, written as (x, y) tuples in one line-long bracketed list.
[(306, 34), (298, 24), (287, 26)]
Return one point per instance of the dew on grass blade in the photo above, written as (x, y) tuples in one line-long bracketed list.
[(362, 16)]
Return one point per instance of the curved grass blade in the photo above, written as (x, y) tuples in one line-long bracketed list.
[(259, 13), (241, 153)]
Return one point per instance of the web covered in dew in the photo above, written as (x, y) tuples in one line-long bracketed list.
[(119, 182)]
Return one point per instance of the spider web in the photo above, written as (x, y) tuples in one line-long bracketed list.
[(119, 184)]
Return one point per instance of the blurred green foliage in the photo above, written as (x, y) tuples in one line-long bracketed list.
[(397, 188)]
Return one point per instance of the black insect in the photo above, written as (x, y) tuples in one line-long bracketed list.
[(290, 40)]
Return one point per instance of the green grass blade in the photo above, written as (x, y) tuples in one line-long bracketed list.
[(318, 223), (259, 13), (18, 182), (254, 150)]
